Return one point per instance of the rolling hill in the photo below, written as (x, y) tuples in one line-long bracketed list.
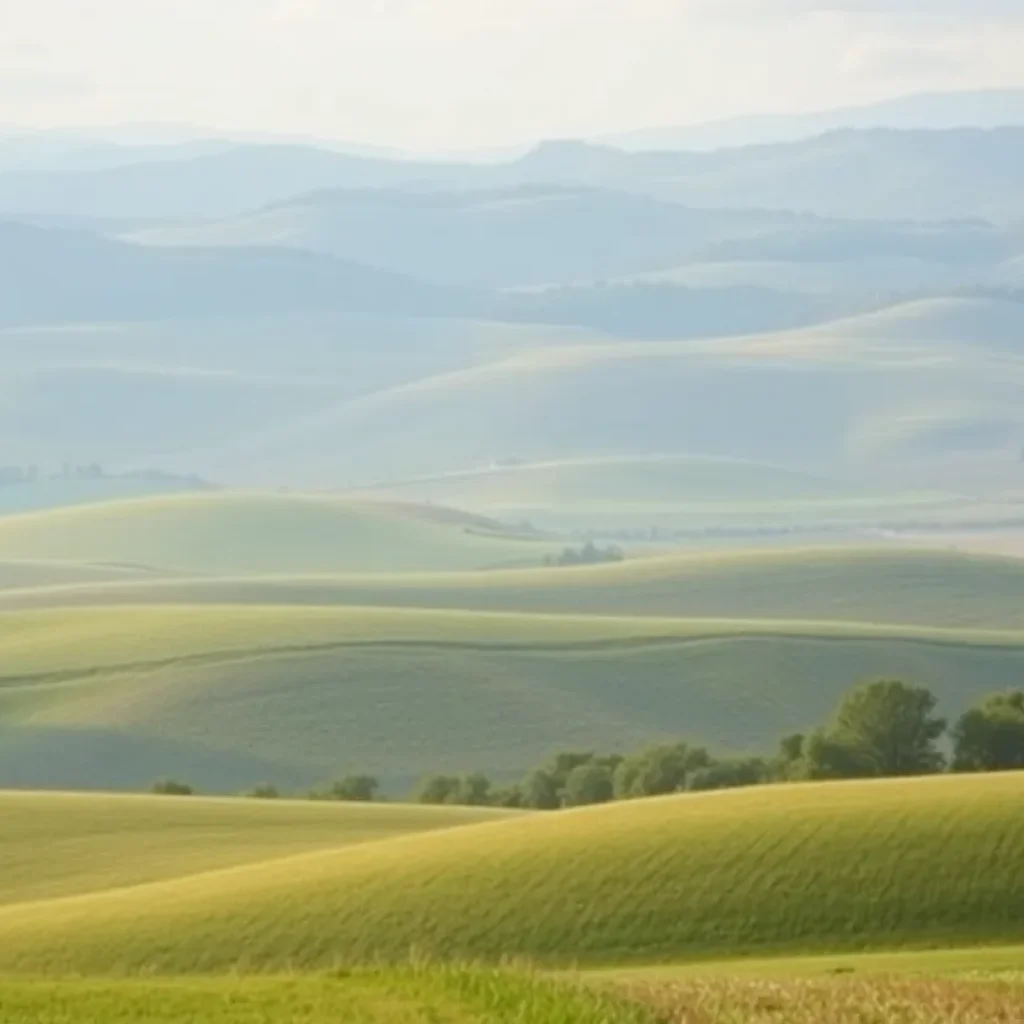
[(803, 868), (911, 587), (826, 399), (516, 237), (226, 532), (666, 491), (228, 696), (59, 276), (60, 844)]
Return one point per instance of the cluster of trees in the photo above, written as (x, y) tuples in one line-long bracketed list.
[(880, 728), (589, 554), (13, 475)]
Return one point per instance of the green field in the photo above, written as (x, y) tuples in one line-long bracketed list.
[(239, 532), (62, 844), (229, 696), (870, 584), (675, 492), (796, 869)]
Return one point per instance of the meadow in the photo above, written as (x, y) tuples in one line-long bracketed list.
[(795, 869), (226, 697), (67, 844), (224, 532), (865, 584)]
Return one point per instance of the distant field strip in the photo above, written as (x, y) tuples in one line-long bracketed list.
[(873, 585), (52, 645)]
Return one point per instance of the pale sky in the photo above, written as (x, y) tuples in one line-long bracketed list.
[(438, 74)]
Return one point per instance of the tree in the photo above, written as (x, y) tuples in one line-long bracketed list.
[(473, 790), (588, 784), (354, 789), (170, 787), (540, 791), (885, 727), (510, 796), (436, 789), (730, 774), (264, 791), (658, 770), (990, 736)]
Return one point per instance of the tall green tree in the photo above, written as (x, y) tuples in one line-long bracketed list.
[(588, 784), (990, 736), (881, 728), (436, 789)]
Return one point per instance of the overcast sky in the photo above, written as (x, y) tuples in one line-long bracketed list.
[(460, 73)]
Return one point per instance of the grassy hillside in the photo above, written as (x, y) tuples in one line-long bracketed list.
[(667, 490), (821, 399), (227, 697), (61, 844), (866, 584), (797, 868), (20, 574), (240, 532)]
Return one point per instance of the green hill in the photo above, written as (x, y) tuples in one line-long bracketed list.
[(798, 868), (63, 844), (915, 587), (664, 491), (819, 399), (225, 697), (238, 532)]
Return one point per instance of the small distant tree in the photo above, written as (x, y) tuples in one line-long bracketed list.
[(436, 789), (588, 784), (881, 728), (354, 789), (264, 791), (990, 736), (171, 787)]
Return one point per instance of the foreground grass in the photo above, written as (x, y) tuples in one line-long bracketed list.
[(58, 844), (791, 869), (447, 995), (229, 696), (455, 995), (893, 1001)]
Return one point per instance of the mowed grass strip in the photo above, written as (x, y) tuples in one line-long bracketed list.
[(798, 868), (64, 844)]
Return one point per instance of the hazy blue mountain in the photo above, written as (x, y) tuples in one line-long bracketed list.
[(930, 175), (987, 108), (51, 276), (525, 236)]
